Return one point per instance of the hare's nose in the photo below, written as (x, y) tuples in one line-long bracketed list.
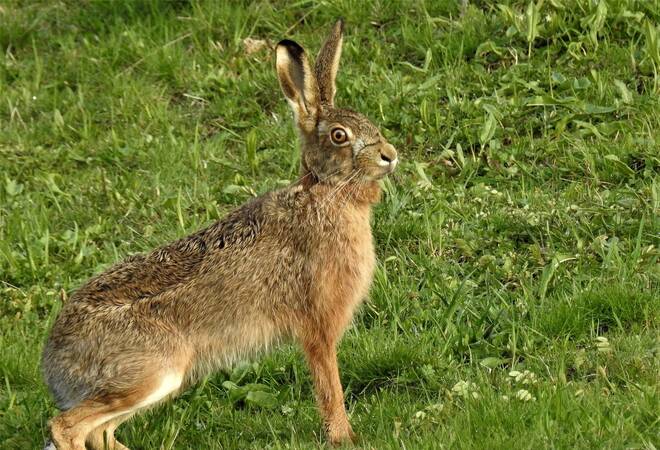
[(388, 155)]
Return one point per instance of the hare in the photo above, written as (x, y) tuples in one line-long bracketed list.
[(293, 263)]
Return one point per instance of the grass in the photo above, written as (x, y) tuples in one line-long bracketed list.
[(516, 301)]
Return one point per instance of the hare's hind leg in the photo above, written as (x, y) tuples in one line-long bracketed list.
[(71, 429), (103, 437)]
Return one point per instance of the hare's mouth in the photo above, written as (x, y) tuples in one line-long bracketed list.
[(388, 157), (379, 170), (378, 161), (389, 164)]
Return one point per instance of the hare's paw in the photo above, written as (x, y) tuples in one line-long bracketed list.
[(341, 435)]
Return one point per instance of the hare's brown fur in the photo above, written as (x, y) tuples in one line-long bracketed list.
[(290, 263)]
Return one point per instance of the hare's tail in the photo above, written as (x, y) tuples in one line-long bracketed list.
[(49, 445)]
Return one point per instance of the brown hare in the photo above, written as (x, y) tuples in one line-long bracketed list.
[(293, 263)]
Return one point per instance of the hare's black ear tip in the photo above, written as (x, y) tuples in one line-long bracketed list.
[(293, 48)]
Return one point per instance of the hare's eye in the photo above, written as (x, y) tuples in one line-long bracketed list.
[(338, 136)]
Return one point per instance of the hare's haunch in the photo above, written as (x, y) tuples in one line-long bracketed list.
[(293, 263)]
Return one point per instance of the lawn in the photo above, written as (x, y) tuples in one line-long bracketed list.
[(516, 301)]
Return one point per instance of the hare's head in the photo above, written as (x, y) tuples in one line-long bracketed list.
[(337, 144)]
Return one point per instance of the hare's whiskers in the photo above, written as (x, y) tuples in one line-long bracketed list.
[(346, 181)]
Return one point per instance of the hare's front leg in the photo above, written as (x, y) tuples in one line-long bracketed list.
[(321, 356)]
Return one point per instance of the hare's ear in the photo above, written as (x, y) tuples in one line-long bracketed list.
[(327, 63), (298, 83)]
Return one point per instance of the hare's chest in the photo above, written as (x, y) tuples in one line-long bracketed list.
[(345, 266)]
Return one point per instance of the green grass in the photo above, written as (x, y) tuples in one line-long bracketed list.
[(520, 234)]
